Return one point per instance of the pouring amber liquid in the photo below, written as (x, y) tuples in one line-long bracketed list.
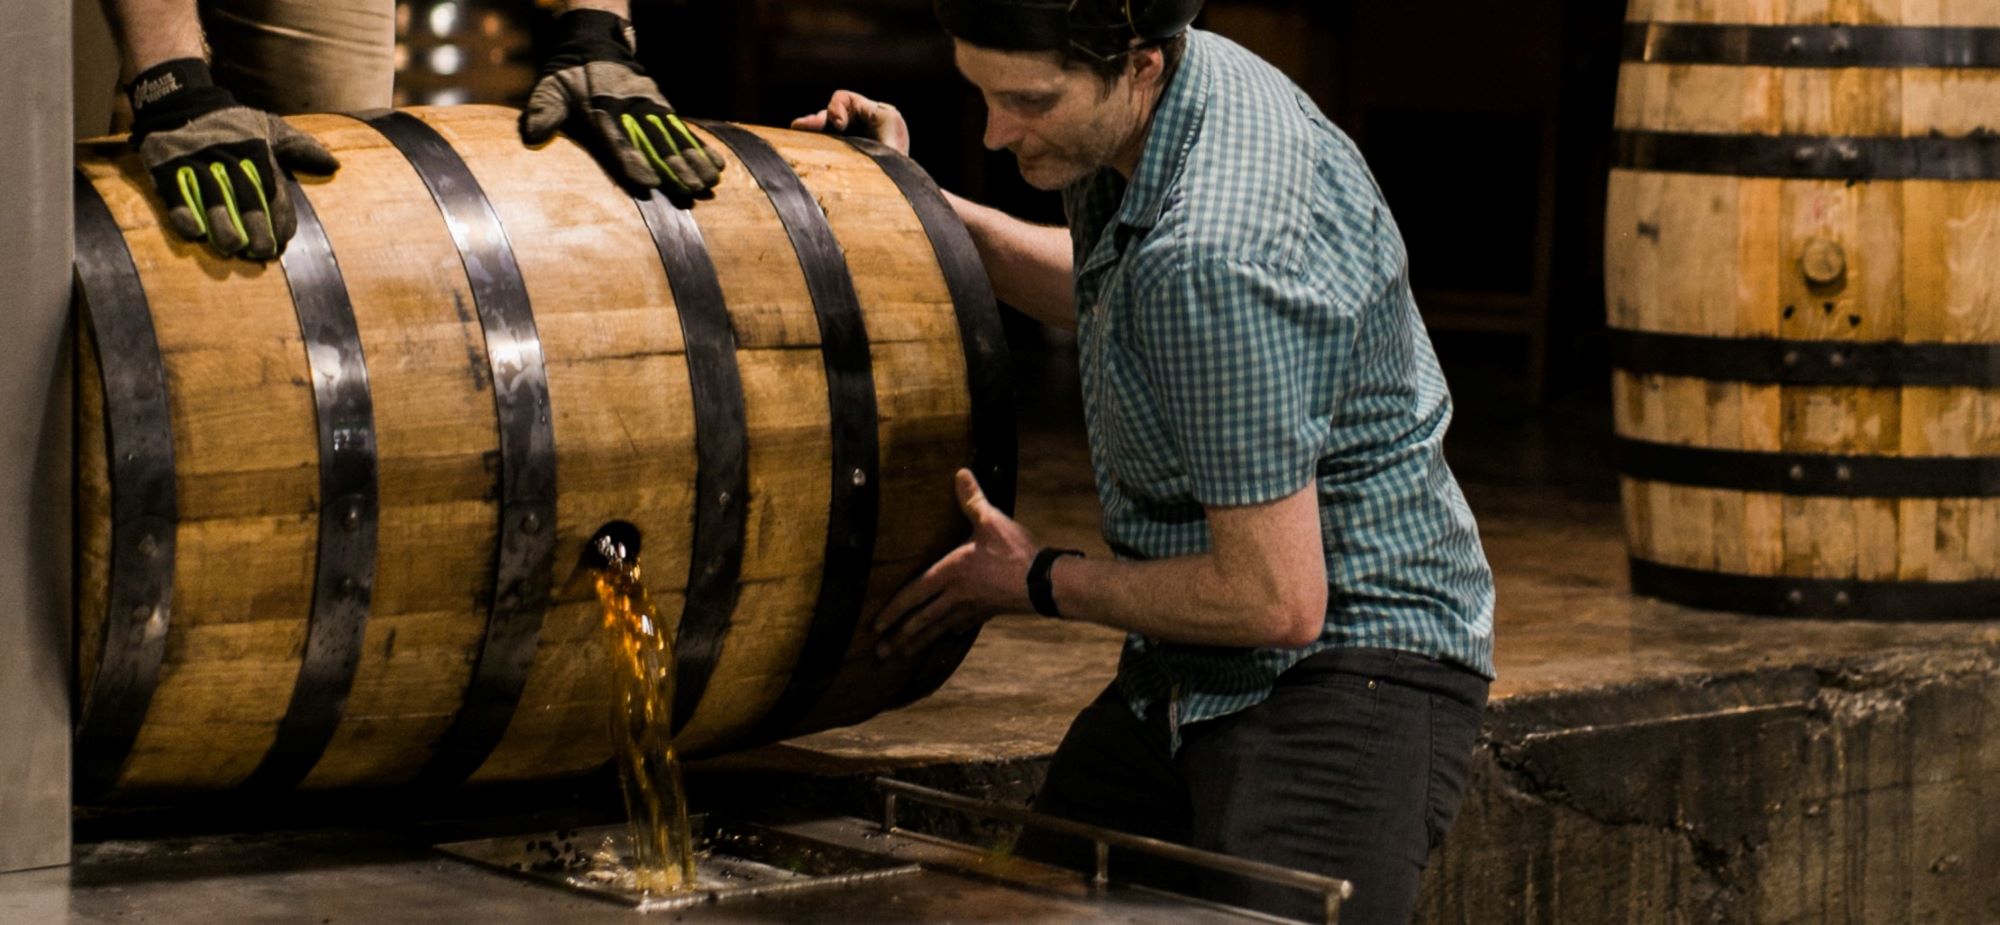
[(642, 699)]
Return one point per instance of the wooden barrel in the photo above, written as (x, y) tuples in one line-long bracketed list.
[(327, 506), (1803, 281)]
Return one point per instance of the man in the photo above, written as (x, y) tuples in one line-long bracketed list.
[(216, 163), (1309, 608)]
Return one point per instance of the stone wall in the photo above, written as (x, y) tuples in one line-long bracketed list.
[(1859, 793)]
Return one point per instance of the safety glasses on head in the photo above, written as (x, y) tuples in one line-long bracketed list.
[(1102, 29)]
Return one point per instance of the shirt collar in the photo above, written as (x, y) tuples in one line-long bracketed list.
[(1176, 121)]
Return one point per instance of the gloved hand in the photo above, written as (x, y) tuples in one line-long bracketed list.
[(593, 75), (216, 163)]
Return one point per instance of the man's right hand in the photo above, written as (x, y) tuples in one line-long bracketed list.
[(850, 113), (217, 164)]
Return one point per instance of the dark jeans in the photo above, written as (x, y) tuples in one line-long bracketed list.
[(1353, 768)]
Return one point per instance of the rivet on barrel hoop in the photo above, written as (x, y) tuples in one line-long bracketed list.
[(860, 478), (1798, 473), (1842, 599), (1795, 597)]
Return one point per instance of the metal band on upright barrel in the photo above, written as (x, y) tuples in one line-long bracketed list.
[(1774, 361), (1812, 46), (1812, 474), (1817, 598), (1811, 157)]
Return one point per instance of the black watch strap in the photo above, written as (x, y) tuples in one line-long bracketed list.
[(1040, 591)]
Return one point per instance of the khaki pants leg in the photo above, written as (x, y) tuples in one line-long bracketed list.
[(297, 56)]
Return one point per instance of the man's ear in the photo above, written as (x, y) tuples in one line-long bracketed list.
[(1149, 66)]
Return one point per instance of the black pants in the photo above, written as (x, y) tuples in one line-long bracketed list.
[(1353, 768)]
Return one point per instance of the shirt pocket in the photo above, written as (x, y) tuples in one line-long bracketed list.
[(1145, 459)]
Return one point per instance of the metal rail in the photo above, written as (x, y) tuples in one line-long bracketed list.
[(1332, 890)]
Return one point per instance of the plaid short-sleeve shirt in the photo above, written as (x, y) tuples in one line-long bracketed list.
[(1246, 328)]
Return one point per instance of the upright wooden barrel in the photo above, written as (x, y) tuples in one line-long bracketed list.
[(1803, 280), (327, 506)]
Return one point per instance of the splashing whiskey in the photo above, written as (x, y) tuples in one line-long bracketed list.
[(642, 698)]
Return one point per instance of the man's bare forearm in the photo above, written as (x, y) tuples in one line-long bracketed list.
[(152, 32), (1263, 583), (1030, 264)]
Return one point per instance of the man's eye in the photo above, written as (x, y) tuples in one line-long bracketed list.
[(1032, 104)]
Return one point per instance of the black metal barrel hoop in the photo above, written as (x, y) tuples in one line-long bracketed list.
[(525, 556), (144, 509)]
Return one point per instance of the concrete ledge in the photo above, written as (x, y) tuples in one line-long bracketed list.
[(1854, 792)]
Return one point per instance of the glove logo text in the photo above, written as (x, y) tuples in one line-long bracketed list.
[(150, 91)]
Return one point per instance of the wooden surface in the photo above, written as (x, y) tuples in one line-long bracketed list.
[(247, 457), (1850, 12), (1720, 256)]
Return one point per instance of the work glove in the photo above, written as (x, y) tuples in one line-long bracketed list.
[(216, 164), (592, 77)]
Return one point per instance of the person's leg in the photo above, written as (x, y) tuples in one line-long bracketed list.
[(1112, 770), (298, 56), (1353, 768)]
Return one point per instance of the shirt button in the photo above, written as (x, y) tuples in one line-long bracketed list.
[(1371, 685)]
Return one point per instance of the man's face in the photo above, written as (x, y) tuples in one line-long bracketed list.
[(1062, 123)]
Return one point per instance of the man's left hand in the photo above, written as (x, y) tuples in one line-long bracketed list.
[(593, 77), (988, 575)]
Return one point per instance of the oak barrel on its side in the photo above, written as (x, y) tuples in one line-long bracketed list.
[(1803, 280), (326, 506)]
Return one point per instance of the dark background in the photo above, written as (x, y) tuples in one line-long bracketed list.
[(1487, 125)]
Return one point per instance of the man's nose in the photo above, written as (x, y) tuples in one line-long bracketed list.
[(1001, 131)]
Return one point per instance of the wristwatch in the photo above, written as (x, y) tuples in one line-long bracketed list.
[(1040, 592)]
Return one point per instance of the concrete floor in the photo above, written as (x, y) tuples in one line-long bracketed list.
[(1565, 788)]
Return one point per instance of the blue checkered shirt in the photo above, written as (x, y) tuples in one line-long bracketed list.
[(1245, 327)]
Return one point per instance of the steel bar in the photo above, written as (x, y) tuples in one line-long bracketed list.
[(1333, 889)]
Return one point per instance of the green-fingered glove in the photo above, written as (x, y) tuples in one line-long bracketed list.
[(593, 77), (217, 164)]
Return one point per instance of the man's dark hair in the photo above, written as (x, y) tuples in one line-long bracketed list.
[(1096, 35)]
